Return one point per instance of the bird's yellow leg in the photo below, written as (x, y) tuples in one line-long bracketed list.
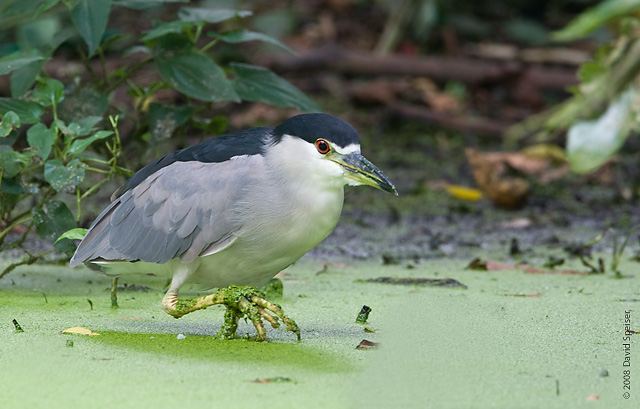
[(240, 301)]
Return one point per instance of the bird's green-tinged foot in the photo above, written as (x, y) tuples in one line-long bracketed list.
[(240, 301)]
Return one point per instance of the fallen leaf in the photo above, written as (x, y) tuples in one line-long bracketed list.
[(533, 270), (438, 100), (490, 172), (364, 344), (79, 331), (517, 223), (464, 193)]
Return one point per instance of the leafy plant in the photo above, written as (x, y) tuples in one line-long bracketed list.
[(59, 134), (604, 108)]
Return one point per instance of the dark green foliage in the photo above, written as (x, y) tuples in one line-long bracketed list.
[(59, 136)]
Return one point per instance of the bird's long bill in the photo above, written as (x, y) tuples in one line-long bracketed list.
[(362, 170)]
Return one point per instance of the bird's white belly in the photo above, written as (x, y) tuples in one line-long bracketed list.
[(271, 242)]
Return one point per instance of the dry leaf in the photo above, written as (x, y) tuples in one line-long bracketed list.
[(79, 331), (490, 172), (533, 270), (364, 344), (493, 172), (464, 193)]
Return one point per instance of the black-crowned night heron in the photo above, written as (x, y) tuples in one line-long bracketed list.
[(231, 213)]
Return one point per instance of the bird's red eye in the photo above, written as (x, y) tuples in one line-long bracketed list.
[(323, 146)]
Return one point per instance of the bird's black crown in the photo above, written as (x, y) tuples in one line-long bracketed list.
[(311, 127)]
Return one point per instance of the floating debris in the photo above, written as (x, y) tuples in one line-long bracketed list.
[(479, 264), (365, 344), (18, 328), (429, 282), (79, 331), (275, 379), (363, 315)]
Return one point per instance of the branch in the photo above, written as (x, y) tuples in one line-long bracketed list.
[(468, 70), (457, 122)]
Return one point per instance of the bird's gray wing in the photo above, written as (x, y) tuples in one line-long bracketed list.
[(185, 209)]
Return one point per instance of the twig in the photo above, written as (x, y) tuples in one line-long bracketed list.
[(114, 292), (468, 70), (32, 259), (458, 122)]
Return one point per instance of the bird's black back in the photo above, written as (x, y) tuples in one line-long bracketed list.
[(220, 149)]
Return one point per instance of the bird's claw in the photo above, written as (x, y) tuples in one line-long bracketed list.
[(247, 302), (250, 303)]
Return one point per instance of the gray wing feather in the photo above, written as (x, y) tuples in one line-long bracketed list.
[(180, 211)]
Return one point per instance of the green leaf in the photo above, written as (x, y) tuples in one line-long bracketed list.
[(164, 119), (90, 18), (242, 36), (211, 15), (9, 122), (23, 78), (16, 61), (64, 178), (594, 18), (196, 76), (82, 103), (31, 7), (255, 83), (79, 145), (591, 143), (83, 127), (12, 186), (52, 220), (73, 234), (144, 4), (172, 27), (49, 91), (28, 111), (12, 162), (41, 139)]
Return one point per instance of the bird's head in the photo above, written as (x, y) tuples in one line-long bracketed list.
[(328, 147)]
